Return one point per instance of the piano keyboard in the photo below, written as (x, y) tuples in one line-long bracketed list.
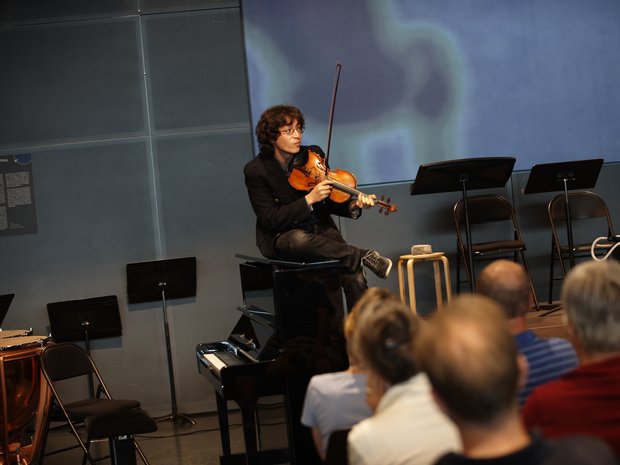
[(219, 360)]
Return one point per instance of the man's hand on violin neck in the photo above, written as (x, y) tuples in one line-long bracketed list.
[(365, 201), (319, 192)]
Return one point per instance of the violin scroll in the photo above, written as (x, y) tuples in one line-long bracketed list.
[(385, 207)]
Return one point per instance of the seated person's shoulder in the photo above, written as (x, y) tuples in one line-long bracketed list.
[(560, 343), (580, 450)]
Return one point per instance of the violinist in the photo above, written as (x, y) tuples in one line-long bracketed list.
[(297, 225)]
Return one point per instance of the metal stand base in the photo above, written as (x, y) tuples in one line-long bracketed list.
[(177, 417), (550, 308)]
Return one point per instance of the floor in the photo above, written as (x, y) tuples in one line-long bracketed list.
[(179, 443), (548, 322)]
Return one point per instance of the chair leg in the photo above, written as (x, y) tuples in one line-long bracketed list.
[(123, 450), (551, 273), (560, 257), (470, 273), (87, 454), (461, 255), (85, 457), (446, 271), (562, 265), (140, 453), (458, 269), (527, 270), (46, 430)]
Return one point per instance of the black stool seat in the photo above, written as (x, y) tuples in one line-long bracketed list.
[(119, 427), (121, 423), (87, 407)]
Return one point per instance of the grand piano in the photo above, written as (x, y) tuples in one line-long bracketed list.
[(289, 328)]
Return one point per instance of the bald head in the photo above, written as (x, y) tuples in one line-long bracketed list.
[(471, 359), (506, 282)]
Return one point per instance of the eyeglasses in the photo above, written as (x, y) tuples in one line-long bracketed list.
[(291, 131)]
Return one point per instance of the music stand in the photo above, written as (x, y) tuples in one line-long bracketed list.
[(158, 280), (567, 175), (5, 303), (86, 319), (463, 175), (564, 176)]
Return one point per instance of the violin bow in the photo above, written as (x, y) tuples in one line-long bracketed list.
[(331, 112), (384, 206)]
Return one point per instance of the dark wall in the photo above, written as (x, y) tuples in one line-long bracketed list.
[(137, 119)]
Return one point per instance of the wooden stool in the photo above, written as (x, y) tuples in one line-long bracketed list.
[(434, 257)]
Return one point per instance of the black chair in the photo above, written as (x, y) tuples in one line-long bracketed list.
[(590, 219), (494, 225), (336, 452), (101, 416)]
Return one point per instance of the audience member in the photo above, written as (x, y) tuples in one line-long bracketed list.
[(507, 283), (474, 367), (337, 401), (587, 399), (406, 427)]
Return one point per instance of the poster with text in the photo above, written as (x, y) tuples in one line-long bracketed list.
[(17, 208)]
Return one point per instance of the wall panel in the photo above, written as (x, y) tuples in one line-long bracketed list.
[(196, 70), (70, 81)]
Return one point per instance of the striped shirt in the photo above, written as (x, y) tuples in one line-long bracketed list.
[(547, 359)]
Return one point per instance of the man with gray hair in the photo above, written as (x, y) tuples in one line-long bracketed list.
[(507, 283), (587, 399)]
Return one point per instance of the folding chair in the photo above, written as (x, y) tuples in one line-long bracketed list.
[(590, 219), (102, 416), (497, 225)]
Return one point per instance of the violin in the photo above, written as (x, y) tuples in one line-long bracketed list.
[(305, 177)]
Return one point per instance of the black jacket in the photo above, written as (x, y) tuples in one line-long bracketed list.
[(278, 206)]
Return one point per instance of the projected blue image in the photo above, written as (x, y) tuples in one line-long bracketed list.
[(429, 80)]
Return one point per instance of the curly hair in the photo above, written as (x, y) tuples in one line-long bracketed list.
[(270, 122)]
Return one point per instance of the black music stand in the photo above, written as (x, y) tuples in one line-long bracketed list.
[(564, 176), (158, 280), (567, 175), (463, 175), (83, 320), (5, 303)]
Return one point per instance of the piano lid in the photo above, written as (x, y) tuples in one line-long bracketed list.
[(254, 339)]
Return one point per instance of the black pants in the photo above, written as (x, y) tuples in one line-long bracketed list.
[(320, 242)]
